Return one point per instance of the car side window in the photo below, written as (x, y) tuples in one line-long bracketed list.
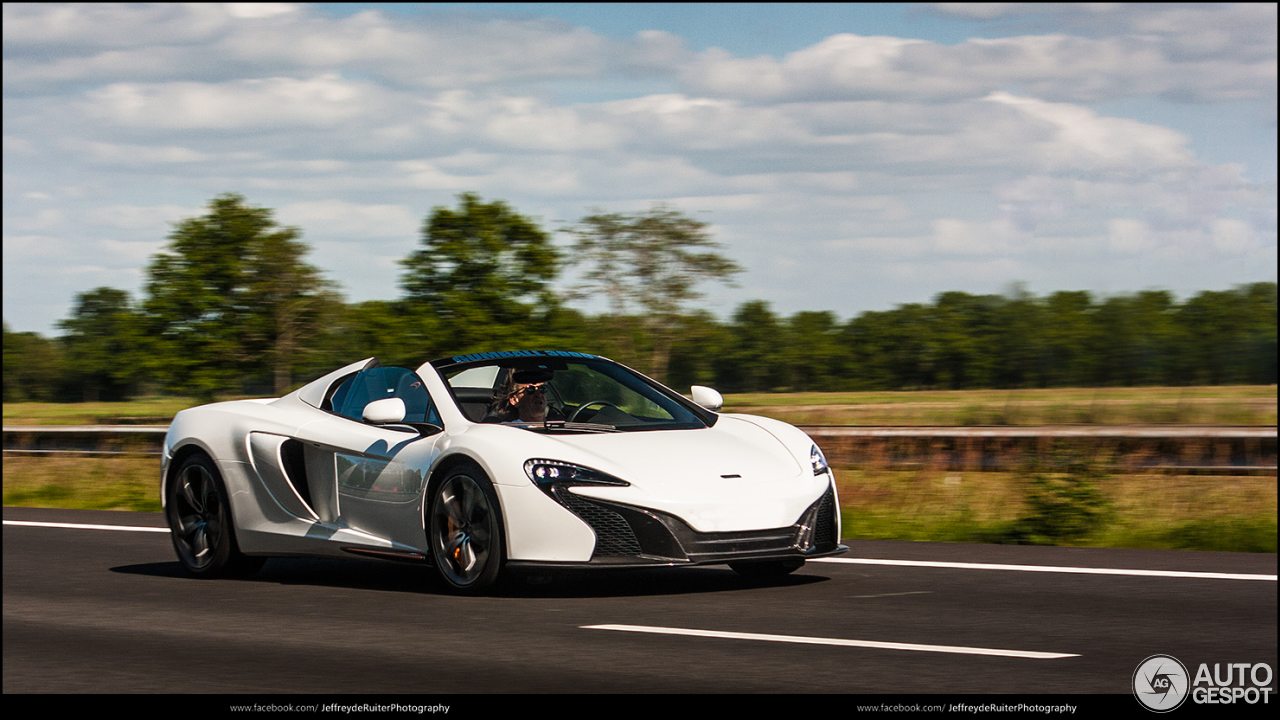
[(380, 383)]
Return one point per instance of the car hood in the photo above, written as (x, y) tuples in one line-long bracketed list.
[(736, 475)]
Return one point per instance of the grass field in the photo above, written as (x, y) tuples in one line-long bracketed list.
[(1210, 405), (1159, 511), (158, 410), (121, 482), (1139, 511)]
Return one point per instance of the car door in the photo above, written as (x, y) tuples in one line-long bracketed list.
[(370, 478)]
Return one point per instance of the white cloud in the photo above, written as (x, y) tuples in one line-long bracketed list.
[(843, 66), (699, 124), (946, 273), (524, 122), (13, 144), (1233, 236), (1129, 237), (979, 11), (339, 217), (130, 254), (138, 154), (1178, 64), (43, 219), (82, 27), (427, 174), (1083, 141), (125, 43), (1239, 31), (18, 248), (1186, 53), (653, 52), (884, 246), (154, 219), (998, 236), (325, 100), (259, 10)]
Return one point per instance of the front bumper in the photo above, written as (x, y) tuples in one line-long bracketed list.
[(628, 536)]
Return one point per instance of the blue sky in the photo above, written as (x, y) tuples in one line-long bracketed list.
[(851, 157)]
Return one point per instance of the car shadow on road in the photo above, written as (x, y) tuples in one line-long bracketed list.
[(360, 574)]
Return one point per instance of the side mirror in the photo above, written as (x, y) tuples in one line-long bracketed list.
[(381, 412), (707, 398)]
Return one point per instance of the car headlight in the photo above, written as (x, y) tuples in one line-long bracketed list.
[(818, 460), (545, 473)]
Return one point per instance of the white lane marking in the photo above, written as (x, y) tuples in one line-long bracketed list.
[(79, 526), (1050, 569), (954, 649), (913, 592)]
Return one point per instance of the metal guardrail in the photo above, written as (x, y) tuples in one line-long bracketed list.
[(84, 439), (1181, 448)]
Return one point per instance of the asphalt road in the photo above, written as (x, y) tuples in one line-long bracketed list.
[(89, 610)]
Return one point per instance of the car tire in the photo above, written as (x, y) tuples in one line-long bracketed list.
[(200, 524), (767, 568), (464, 529)]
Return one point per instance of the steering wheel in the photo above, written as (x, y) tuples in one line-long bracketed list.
[(585, 405)]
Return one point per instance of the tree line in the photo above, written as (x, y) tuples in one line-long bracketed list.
[(230, 307)]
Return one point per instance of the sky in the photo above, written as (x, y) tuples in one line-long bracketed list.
[(850, 157)]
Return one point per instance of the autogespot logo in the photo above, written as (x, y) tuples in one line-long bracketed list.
[(1160, 683)]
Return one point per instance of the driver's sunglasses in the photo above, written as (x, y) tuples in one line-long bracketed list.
[(537, 388)]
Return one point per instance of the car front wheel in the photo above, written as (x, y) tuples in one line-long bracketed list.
[(199, 517), (465, 531)]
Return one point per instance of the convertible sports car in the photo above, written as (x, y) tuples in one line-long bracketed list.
[(479, 463)]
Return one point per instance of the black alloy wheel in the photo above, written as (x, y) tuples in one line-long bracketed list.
[(199, 518), (465, 531)]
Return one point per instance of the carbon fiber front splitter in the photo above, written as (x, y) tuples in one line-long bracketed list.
[(643, 561)]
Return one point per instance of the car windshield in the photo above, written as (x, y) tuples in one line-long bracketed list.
[(565, 394)]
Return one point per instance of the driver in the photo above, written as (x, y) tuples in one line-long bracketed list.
[(523, 399)]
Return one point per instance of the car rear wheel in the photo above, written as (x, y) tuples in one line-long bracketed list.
[(767, 568), (465, 531), (199, 517)]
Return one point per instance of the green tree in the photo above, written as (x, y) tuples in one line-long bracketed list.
[(1017, 345), (230, 300), (701, 341), (390, 330), (1230, 335), (294, 303), (1137, 340), (891, 349), (1259, 301), (653, 261), (813, 351), (484, 271), (1069, 338), (33, 367), (104, 336), (963, 335), (756, 361)]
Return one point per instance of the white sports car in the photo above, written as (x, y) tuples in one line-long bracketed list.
[(479, 463)]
